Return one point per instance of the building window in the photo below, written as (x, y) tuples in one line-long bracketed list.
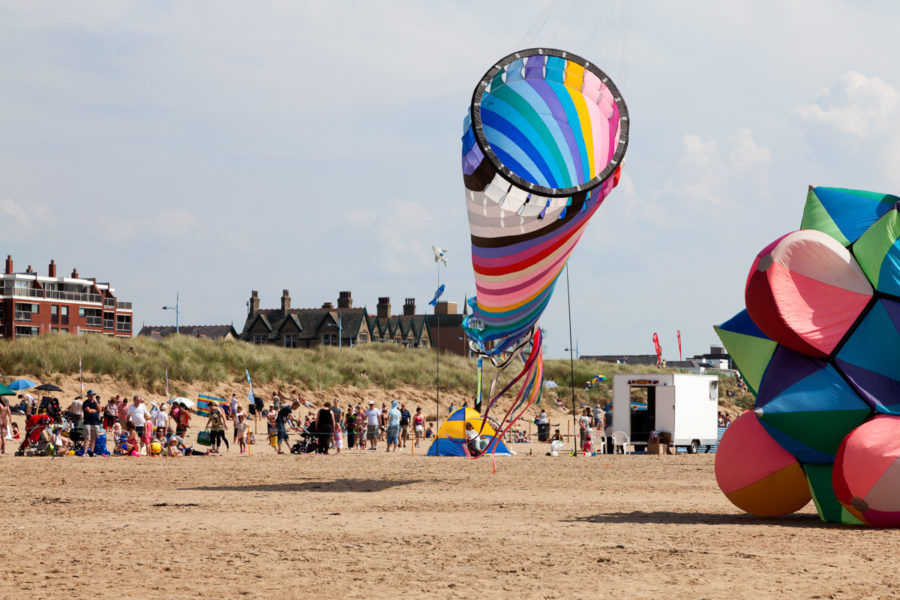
[(329, 339), (64, 315), (26, 331), (363, 338), (423, 343), (24, 310), (259, 338), (290, 341), (123, 323)]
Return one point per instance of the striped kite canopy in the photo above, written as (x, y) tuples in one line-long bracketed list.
[(543, 143)]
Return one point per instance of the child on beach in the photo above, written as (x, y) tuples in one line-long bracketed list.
[(338, 439), (240, 432)]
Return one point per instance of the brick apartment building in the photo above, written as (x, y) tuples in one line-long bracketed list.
[(345, 325), (32, 304)]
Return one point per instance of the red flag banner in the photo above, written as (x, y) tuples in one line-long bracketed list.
[(658, 349), (679, 345)]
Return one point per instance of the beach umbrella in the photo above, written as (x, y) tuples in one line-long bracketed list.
[(5, 391), (182, 400), (807, 407), (21, 384), (49, 387)]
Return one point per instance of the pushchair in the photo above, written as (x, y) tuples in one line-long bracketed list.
[(306, 444), (38, 439)]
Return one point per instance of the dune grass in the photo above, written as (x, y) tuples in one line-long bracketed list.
[(141, 362)]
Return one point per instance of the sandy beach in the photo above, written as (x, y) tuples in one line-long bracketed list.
[(386, 526)]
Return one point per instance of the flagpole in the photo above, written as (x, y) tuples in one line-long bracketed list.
[(437, 381), (571, 361)]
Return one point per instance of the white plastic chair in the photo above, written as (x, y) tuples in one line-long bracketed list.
[(621, 440)]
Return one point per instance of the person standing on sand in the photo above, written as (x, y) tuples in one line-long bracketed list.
[(405, 417), (137, 415), (285, 415), (418, 426), (5, 422), (91, 412), (216, 425), (325, 427), (338, 416), (393, 427), (361, 427), (373, 425), (350, 422)]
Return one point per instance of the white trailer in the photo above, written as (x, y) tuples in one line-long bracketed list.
[(686, 406)]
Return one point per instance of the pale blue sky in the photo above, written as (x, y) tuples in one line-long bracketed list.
[(216, 147)]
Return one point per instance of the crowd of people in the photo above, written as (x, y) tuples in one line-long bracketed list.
[(91, 426)]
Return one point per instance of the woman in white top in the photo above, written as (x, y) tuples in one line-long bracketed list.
[(585, 426)]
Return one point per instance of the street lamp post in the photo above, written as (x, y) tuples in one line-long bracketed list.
[(176, 309), (340, 329)]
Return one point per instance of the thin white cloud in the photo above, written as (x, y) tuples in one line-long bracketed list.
[(166, 224), (855, 105), (22, 222)]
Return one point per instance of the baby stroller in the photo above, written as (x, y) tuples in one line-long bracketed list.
[(306, 444), (38, 439)]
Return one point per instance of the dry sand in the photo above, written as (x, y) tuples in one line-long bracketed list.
[(372, 525)]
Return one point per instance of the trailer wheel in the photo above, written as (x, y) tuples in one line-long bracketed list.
[(694, 447)]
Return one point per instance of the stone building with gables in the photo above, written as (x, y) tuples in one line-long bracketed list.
[(328, 325)]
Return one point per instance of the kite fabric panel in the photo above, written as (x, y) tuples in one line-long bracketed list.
[(749, 348), (878, 253), (844, 214), (542, 147), (805, 291)]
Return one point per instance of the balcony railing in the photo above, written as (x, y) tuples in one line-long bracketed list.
[(123, 326), (23, 292), (109, 302), (108, 323), (21, 315), (93, 321), (124, 305)]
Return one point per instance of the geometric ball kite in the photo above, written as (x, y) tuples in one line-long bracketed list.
[(819, 346)]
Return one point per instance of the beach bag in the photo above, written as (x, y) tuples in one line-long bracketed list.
[(203, 438)]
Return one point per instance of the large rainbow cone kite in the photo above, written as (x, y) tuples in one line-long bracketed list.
[(819, 346), (542, 146)]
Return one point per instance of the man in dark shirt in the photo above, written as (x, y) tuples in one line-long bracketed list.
[(405, 418), (91, 411), (285, 414)]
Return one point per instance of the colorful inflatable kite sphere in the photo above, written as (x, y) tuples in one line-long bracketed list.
[(543, 144), (819, 346)]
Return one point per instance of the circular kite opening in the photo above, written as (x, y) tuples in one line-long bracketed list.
[(550, 122)]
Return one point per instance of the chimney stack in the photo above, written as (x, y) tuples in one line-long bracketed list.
[(52, 269), (345, 300), (409, 307), (75, 273), (384, 307), (327, 305), (9, 264), (254, 303), (285, 303), (444, 307)]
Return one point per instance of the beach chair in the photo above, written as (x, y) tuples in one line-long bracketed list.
[(598, 440), (621, 440)]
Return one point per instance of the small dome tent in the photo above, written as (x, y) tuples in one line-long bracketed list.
[(451, 435)]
